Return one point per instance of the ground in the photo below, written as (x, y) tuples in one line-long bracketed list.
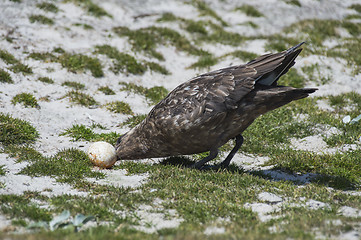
[(74, 72)]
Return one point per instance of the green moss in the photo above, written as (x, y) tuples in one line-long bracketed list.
[(153, 95), (167, 17), (147, 39), (293, 2), (134, 120), (41, 19), (78, 63), (119, 107), (315, 31), (205, 10), (81, 98), (5, 77), (69, 165), (314, 74), (153, 66), (46, 80), (345, 166), (75, 85), (21, 68), (269, 132), (17, 1), (19, 222), (156, 94), (344, 104), (73, 62), (16, 131), (7, 57), (196, 27), (243, 55), (84, 25), (204, 62), (249, 10), (42, 56), (58, 50), (106, 90), (49, 7), (356, 7), (251, 24), (91, 8), (349, 51), (338, 100), (27, 99), (279, 43), (353, 28), (81, 132), (17, 66), (353, 16), (17, 206), (2, 170), (124, 62), (292, 78), (219, 35)]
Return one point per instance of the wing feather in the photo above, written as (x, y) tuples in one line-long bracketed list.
[(210, 96)]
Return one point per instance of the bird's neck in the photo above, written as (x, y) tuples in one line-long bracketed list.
[(132, 146)]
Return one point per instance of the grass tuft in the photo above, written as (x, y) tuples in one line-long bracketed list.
[(167, 17), (119, 107), (106, 90), (356, 7), (5, 77), (134, 120), (249, 10), (91, 8), (69, 165), (3, 170), (124, 62), (294, 2), (48, 7), (153, 95), (81, 132), (78, 63), (147, 39), (20, 207), (205, 10), (75, 85), (16, 131), (46, 80), (41, 19), (27, 99), (81, 98), (17, 66), (243, 55), (204, 62)]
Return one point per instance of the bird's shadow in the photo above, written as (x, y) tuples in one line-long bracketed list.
[(273, 174)]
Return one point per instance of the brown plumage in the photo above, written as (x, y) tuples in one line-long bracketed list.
[(205, 112)]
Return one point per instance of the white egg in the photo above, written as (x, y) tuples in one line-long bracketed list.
[(102, 154)]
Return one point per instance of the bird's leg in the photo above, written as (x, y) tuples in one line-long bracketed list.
[(239, 141), (212, 154)]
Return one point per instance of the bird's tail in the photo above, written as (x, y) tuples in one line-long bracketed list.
[(280, 62), (272, 97)]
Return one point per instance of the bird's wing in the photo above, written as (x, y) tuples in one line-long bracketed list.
[(211, 95)]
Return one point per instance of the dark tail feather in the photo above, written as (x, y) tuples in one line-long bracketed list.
[(270, 97), (288, 94), (287, 61)]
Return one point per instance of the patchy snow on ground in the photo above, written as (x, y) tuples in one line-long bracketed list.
[(58, 114)]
